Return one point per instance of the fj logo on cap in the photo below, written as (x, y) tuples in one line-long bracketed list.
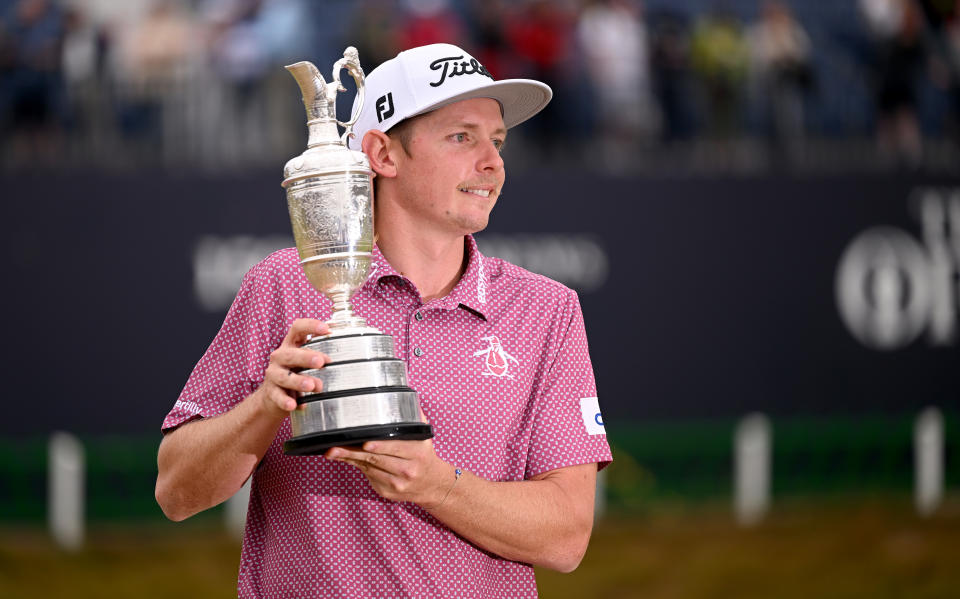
[(449, 67), (385, 107)]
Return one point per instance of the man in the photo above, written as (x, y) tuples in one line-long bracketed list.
[(497, 354)]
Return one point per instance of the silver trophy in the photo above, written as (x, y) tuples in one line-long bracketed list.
[(329, 187)]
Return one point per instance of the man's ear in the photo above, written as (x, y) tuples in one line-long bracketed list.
[(378, 147)]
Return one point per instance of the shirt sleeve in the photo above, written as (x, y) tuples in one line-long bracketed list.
[(568, 427), (234, 364)]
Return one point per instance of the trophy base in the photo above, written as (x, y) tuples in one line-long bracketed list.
[(317, 443), (364, 395)]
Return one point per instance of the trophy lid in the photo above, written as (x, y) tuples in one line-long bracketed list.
[(325, 160)]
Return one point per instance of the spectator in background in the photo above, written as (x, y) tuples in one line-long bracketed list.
[(539, 36), (943, 20), (288, 34), (158, 45), (429, 22), (720, 59), (239, 57), (250, 41), (31, 34), (896, 27), (952, 37), (374, 33), (488, 19), (152, 55), (780, 52), (613, 40), (380, 28), (286, 30), (84, 49), (670, 69)]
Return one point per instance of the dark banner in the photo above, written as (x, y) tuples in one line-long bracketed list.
[(703, 298)]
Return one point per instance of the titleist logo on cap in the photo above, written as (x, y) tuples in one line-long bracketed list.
[(451, 68)]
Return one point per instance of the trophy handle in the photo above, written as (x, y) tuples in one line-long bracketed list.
[(350, 62)]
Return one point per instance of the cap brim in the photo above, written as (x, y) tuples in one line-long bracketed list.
[(520, 99)]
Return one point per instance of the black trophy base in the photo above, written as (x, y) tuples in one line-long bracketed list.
[(317, 443)]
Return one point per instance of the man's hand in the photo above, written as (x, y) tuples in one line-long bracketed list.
[(400, 470), (545, 520), (204, 462), (280, 382)]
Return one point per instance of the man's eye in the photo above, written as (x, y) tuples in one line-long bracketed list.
[(460, 137), (498, 144)]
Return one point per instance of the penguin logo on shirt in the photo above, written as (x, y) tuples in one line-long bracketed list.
[(497, 359)]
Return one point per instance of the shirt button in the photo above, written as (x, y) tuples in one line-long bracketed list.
[(417, 352), (418, 316)]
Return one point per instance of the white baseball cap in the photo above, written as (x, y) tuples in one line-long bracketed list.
[(426, 78)]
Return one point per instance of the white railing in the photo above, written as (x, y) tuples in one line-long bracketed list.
[(752, 478)]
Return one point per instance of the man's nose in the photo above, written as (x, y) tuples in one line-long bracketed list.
[(491, 160)]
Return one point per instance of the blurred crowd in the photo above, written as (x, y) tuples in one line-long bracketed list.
[(640, 85)]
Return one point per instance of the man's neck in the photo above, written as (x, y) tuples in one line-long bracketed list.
[(433, 263)]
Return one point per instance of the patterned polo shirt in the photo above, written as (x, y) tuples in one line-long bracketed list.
[(503, 375)]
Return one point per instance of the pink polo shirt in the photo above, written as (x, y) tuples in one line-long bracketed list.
[(504, 376)]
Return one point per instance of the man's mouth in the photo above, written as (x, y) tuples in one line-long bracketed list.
[(483, 193)]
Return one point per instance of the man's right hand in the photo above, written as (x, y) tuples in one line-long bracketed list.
[(281, 383), (205, 461)]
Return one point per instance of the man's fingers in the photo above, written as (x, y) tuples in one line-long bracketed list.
[(395, 457), (346, 454), (366, 460), (282, 400), (406, 450), (303, 328), (288, 379), (305, 383), (296, 357)]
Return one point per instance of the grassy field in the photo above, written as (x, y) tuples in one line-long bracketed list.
[(846, 548)]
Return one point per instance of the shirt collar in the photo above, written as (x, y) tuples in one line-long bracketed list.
[(470, 291), (379, 267)]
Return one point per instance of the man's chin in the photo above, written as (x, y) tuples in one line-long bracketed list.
[(476, 227), (470, 224)]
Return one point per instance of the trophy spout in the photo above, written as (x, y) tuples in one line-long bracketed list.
[(321, 111), (313, 88)]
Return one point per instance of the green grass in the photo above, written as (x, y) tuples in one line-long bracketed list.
[(847, 548), (145, 561), (842, 547)]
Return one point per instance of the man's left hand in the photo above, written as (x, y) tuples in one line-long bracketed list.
[(400, 470)]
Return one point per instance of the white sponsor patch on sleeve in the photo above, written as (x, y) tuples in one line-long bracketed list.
[(188, 406), (592, 419)]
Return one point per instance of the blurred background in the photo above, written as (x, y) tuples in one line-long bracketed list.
[(758, 202)]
